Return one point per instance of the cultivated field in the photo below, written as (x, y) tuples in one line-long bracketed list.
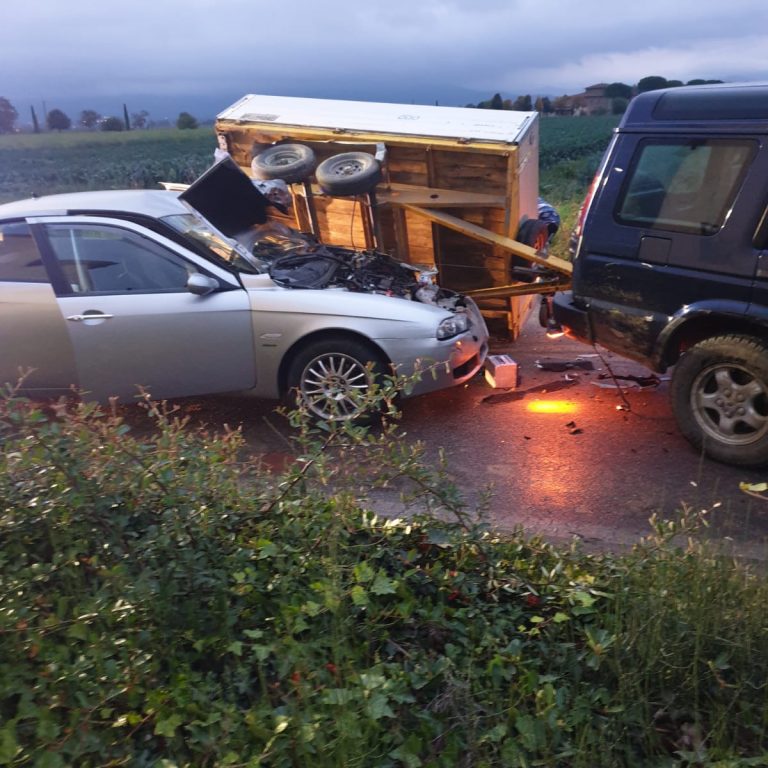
[(47, 163)]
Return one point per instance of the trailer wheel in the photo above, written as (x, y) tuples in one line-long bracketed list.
[(350, 173), (533, 232), (290, 162)]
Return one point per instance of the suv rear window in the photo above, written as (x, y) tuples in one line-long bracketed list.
[(684, 185)]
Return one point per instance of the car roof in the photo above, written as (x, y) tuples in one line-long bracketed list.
[(147, 202), (722, 106)]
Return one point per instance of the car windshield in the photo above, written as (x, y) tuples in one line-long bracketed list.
[(215, 245)]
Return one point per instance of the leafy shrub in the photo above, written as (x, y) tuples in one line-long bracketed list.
[(112, 124), (185, 121), (166, 600)]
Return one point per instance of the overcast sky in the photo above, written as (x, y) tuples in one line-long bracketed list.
[(202, 55)]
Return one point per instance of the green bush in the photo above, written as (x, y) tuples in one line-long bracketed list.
[(185, 121), (113, 124), (166, 600)]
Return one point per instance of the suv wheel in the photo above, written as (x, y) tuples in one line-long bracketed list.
[(720, 398)]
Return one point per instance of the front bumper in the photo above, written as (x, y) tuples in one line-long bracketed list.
[(441, 364)]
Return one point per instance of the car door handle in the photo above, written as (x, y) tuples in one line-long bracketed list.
[(81, 318)]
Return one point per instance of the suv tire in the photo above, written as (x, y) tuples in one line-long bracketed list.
[(719, 397)]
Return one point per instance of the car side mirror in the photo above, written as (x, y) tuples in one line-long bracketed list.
[(201, 285)]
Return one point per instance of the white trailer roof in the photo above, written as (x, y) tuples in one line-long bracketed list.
[(458, 123)]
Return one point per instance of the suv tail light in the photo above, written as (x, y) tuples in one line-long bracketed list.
[(578, 230), (585, 206), (573, 242)]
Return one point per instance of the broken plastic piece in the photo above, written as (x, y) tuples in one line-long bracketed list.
[(607, 381), (549, 364)]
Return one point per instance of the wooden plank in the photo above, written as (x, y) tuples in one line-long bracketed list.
[(421, 246), (520, 306), (481, 173), (406, 194), (305, 134), (402, 243), (486, 236), (403, 178), (518, 289), (437, 240), (512, 202)]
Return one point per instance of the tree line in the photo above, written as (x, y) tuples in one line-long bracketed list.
[(57, 120), (619, 94), (90, 119)]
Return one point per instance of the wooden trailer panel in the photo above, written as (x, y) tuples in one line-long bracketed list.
[(479, 167)]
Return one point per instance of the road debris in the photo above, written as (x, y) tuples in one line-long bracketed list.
[(612, 381), (552, 364)]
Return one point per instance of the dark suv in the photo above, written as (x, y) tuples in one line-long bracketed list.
[(670, 259)]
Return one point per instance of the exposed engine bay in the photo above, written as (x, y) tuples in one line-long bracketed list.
[(228, 199), (296, 260)]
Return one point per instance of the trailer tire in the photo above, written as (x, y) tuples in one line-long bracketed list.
[(533, 232), (350, 173), (290, 162)]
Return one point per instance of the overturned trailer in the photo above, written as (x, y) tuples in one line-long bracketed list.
[(448, 187)]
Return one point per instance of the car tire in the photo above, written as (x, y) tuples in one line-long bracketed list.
[(535, 233), (719, 395), (350, 173), (290, 162), (330, 376), (544, 312)]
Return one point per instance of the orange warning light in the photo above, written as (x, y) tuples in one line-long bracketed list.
[(552, 406)]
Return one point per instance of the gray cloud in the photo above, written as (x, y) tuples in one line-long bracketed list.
[(389, 50)]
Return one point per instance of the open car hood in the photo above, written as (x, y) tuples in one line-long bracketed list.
[(227, 198)]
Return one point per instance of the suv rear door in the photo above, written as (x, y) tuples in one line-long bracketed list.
[(665, 212)]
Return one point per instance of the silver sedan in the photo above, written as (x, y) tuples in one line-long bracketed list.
[(109, 292)]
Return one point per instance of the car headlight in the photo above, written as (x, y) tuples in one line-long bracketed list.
[(452, 326)]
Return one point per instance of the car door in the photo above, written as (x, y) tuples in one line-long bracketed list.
[(131, 319), (670, 226), (34, 343)]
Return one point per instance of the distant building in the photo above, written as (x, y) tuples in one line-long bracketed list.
[(595, 100), (592, 101)]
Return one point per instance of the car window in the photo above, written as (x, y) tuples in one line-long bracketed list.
[(684, 185), (102, 259), (201, 235), (20, 260)]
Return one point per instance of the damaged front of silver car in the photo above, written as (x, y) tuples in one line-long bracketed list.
[(454, 341), (327, 318)]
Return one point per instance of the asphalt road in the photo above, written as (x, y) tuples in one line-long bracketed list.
[(569, 456), (565, 454)]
